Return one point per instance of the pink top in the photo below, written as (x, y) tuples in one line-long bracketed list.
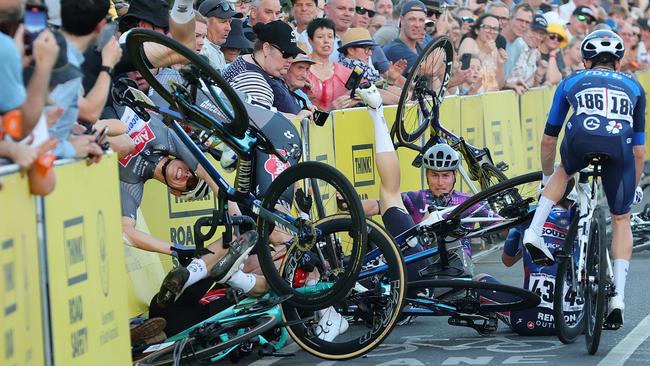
[(322, 93)]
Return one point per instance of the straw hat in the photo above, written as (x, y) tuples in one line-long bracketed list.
[(356, 37)]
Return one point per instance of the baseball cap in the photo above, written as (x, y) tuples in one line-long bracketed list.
[(304, 58), (219, 8), (644, 23), (539, 23), (279, 34), (413, 5), (155, 12), (585, 11)]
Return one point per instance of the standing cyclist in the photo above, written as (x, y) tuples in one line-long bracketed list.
[(608, 118)]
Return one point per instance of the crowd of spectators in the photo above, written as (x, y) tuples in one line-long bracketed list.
[(294, 57)]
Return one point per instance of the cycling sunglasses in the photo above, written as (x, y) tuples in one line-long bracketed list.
[(285, 55), (361, 11), (586, 19), (431, 12)]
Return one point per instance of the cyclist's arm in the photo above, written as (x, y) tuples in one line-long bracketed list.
[(371, 207), (556, 118), (511, 249), (638, 141), (142, 240)]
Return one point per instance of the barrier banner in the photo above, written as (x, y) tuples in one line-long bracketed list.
[(21, 323), (644, 80), (532, 117), (502, 129), (83, 232), (471, 127), (411, 177)]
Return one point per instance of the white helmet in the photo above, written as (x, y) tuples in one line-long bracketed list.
[(440, 157), (602, 41), (200, 191)]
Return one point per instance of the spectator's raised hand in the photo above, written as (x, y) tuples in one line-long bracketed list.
[(23, 155), (86, 148), (344, 101), (396, 69), (111, 53), (45, 50), (502, 56)]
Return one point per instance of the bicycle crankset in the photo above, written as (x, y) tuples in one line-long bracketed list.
[(484, 325)]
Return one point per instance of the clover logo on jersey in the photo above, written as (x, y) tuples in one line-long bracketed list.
[(614, 127)]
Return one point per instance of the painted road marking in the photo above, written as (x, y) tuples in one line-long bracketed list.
[(625, 348)]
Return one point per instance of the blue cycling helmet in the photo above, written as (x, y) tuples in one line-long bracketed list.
[(602, 41)]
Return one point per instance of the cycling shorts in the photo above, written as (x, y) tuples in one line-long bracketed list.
[(397, 221), (588, 136)]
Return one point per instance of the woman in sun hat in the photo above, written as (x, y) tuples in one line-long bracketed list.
[(550, 50)]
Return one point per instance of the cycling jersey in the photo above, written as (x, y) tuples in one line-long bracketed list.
[(539, 279), (418, 203), (608, 118)]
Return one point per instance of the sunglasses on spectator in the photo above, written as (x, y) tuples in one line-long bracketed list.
[(586, 19), (225, 6), (431, 12), (365, 49), (555, 37), (285, 55), (489, 27), (361, 11), (467, 20)]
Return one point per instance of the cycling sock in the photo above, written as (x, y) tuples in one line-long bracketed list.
[(242, 281), (182, 11), (198, 271), (620, 275), (544, 208), (383, 142)]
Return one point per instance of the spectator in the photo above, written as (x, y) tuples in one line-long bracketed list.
[(297, 79), (376, 23), (501, 11), (355, 51), (581, 22), (385, 8), (566, 10), (619, 15), (364, 12), (200, 32), (264, 11), (303, 11), (467, 17), (643, 55), (219, 14), (631, 38), (454, 31), (390, 30), (256, 74), (481, 41), (342, 13), (236, 43), (475, 6), (472, 84), (433, 16), (524, 72), (407, 46), (550, 50), (522, 17), (244, 7), (572, 55), (328, 78)]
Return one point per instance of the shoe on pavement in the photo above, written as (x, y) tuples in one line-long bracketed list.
[(331, 324), (538, 250), (615, 312), (172, 286), (147, 330), (235, 258)]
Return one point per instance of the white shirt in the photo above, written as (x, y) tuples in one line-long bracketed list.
[(214, 55)]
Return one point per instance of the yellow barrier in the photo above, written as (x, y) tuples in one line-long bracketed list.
[(21, 323), (644, 79), (89, 323), (502, 129), (533, 119)]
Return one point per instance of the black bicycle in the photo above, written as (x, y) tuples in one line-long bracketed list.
[(223, 114)]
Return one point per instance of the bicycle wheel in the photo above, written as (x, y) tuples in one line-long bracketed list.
[(464, 296), (490, 176), (568, 312), (216, 97), (207, 341), (424, 90), (371, 309), (497, 208), (343, 264), (596, 276)]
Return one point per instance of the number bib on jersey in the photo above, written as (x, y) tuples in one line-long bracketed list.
[(543, 285), (604, 102)]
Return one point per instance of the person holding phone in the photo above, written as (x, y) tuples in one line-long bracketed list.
[(481, 41)]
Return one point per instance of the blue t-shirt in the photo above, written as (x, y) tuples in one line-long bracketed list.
[(12, 93), (599, 97), (397, 50)]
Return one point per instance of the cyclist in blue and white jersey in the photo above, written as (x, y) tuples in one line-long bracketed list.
[(608, 118)]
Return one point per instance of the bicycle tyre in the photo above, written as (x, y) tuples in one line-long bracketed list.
[(134, 43), (595, 293), (259, 324), (489, 172), (286, 180), (526, 298), (566, 332), (381, 327), (400, 129), (511, 199)]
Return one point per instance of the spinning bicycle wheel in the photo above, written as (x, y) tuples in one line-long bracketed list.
[(423, 91), (371, 309), (148, 48), (504, 205), (595, 289)]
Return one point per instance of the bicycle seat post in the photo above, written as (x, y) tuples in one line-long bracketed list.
[(442, 250)]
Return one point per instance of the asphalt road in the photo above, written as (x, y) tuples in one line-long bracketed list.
[(431, 341)]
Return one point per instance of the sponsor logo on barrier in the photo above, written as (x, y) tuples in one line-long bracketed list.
[(9, 300), (363, 165), (181, 207), (324, 194), (103, 255), (79, 336), (75, 250)]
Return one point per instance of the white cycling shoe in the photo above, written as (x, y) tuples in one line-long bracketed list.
[(615, 313), (331, 324), (537, 248)]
